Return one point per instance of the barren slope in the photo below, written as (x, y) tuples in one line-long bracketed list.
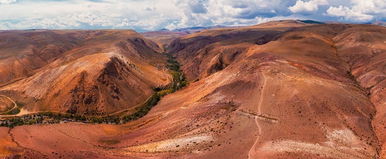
[(22, 52), (292, 91), (364, 50), (110, 72), (163, 38)]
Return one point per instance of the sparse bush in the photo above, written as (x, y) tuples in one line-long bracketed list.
[(13, 111)]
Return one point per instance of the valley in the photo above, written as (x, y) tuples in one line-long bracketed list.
[(282, 89), (14, 117)]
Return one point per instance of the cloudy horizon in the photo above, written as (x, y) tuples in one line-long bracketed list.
[(146, 15)]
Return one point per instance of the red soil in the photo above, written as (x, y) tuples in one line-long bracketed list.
[(291, 91)]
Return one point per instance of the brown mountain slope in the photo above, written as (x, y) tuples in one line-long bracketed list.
[(22, 52), (209, 51), (113, 71), (308, 91), (364, 50), (163, 38)]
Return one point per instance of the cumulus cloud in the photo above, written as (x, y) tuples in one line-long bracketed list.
[(7, 1), (198, 6), (157, 14), (347, 13), (88, 14), (360, 11), (310, 6)]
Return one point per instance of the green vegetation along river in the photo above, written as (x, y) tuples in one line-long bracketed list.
[(178, 82)]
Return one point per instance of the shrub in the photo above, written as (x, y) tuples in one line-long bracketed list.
[(13, 111)]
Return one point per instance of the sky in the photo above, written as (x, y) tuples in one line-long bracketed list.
[(147, 15)]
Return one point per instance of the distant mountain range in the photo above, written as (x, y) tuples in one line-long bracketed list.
[(307, 21)]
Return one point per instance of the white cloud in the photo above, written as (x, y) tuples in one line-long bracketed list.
[(230, 12), (137, 14), (88, 14), (158, 14), (360, 10), (198, 6), (310, 6), (349, 14), (7, 1)]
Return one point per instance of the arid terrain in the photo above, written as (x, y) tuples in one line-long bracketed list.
[(84, 72), (277, 90)]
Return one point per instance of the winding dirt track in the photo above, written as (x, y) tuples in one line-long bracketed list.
[(250, 153), (14, 105)]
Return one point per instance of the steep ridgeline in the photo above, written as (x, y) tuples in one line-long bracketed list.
[(107, 72), (23, 52), (308, 91), (363, 48), (285, 89), (11, 119)]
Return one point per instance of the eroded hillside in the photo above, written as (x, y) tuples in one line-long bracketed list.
[(106, 72), (277, 90)]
